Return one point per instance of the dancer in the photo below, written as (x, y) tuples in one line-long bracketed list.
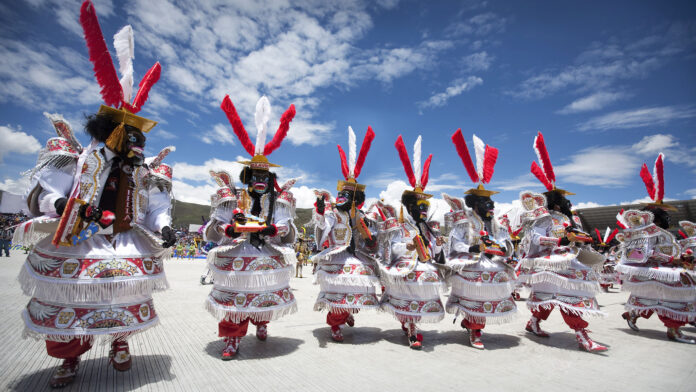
[(651, 264), (409, 249), (252, 266), (347, 269), (553, 244), (94, 275), (606, 245), (483, 282)]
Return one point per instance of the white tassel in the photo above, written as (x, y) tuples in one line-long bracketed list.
[(262, 116), (236, 316), (479, 149), (125, 51), (482, 318), (352, 153), (417, 169), (352, 309), (434, 317), (661, 311), (582, 312)]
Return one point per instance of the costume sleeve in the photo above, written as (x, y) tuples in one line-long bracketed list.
[(220, 216), (539, 235), (283, 221), (56, 183), (459, 239), (159, 210)]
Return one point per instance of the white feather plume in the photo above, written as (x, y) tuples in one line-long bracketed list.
[(352, 151), (479, 149), (656, 180), (606, 234), (417, 168), (263, 115), (125, 51)]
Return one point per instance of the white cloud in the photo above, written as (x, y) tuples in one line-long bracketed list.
[(637, 118), (17, 186), (66, 12), (525, 181), (690, 193), (479, 25), (594, 101), (164, 134), (480, 61), (17, 142), (458, 86), (220, 134), (607, 166)]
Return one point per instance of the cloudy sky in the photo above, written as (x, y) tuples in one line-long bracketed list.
[(610, 84)]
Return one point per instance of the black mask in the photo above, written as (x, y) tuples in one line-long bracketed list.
[(418, 211), (135, 143), (485, 208), (344, 200), (260, 182)]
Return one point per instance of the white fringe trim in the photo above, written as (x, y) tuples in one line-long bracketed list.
[(321, 305), (480, 290), (249, 280), (663, 311), (414, 290), (657, 290), (325, 278), (93, 290), (560, 281), (100, 335), (412, 317), (582, 312), (662, 273), (236, 316), (544, 263), (482, 318)]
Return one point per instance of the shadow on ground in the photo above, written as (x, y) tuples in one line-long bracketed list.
[(351, 335), (564, 341), (252, 348), (100, 369)]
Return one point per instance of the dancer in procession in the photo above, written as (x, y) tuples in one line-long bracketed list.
[(346, 270), (554, 244), (412, 253), (607, 245), (652, 265), (482, 282), (252, 266), (100, 236)]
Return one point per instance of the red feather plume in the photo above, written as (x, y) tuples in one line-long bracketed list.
[(611, 236), (426, 171), (599, 236), (367, 142), (489, 159), (281, 132), (681, 233), (648, 181), (344, 162), (146, 83), (660, 177), (104, 69), (463, 151), (544, 159), (536, 170), (403, 155), (237, 125)]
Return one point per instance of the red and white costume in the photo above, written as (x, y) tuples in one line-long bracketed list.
[(482, 283), (252, 284), (348, 277), (412, 283)]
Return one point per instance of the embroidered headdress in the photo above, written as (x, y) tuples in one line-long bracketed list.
[(486, 156), (351, 168), (545, 172), (159, 169), (417, 180), (261, 149), (117, 93)]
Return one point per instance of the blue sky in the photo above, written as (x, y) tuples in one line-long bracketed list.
[(610, 84)]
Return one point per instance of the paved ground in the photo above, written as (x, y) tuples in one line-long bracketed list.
[(182, 353)]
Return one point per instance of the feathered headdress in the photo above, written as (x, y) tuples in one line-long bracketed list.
[(655, 183), (486, 156), (117, 93), (545, 172), (351, 168), (417, 179), (608, 236), (261, 149), (226, 190)]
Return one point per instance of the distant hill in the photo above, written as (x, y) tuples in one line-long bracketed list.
[(185, 214)]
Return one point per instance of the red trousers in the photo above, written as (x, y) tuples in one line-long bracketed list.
[(71, 349), (472, 325), (230, 329), (667, 321), (573, 321), (335, 319)]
